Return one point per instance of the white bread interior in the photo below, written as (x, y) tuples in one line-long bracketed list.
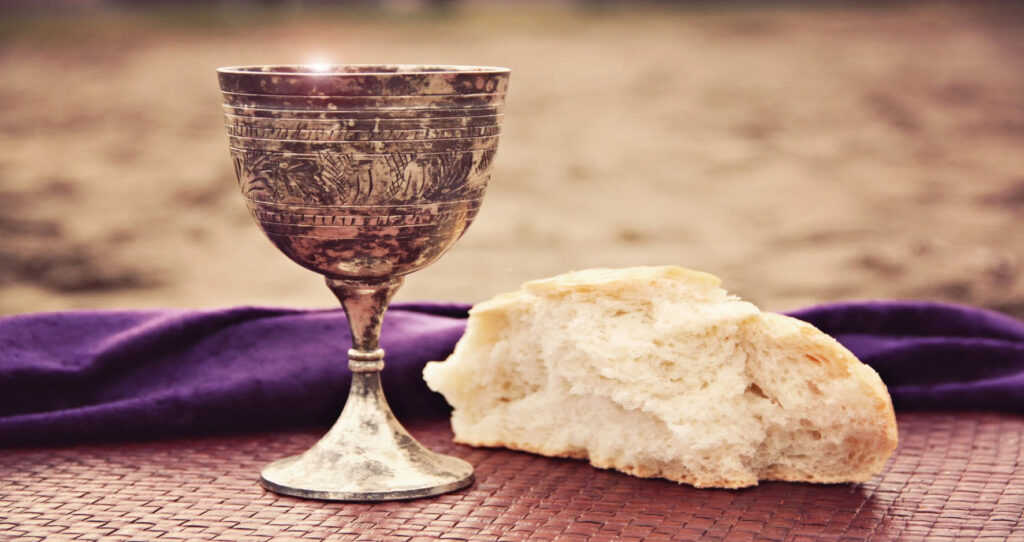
[(658, 372)]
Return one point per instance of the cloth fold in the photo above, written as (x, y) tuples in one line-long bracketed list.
[(81, 376)]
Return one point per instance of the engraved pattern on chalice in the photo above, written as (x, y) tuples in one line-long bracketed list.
[(364, 174)]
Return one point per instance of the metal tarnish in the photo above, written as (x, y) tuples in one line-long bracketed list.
[(364, 174)]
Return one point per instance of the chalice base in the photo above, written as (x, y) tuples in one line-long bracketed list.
[(366, 456)]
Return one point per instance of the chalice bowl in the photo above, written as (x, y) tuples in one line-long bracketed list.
[(364, 174)]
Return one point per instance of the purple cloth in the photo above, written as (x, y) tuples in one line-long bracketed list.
[(90, 375)]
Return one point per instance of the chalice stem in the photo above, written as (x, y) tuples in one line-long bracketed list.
[(366, 409), (365, 304), (367, 455)]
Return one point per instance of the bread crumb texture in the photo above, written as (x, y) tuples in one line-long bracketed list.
[(658, 372)]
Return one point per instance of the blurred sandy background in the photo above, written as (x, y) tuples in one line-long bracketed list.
[(805, 153)]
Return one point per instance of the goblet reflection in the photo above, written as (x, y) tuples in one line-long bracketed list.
[(364, 174)]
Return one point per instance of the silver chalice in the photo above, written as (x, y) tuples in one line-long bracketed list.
[(364, 174)]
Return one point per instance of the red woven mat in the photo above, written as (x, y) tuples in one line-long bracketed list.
[(953, 477)]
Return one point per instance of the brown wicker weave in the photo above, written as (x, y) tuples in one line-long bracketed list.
[(954, 477)]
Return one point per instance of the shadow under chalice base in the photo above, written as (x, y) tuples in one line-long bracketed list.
[(366, 456)]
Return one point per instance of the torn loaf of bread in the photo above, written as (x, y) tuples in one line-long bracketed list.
[(658, 372)]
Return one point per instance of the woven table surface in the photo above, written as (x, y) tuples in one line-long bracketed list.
[(954, 476)]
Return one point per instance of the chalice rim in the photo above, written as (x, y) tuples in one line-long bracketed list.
[(330, 70)]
